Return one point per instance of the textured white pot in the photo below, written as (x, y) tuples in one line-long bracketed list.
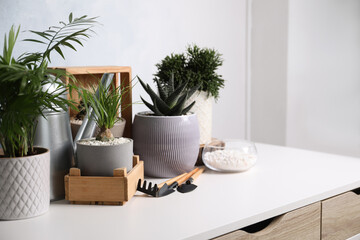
[(203, 111), (25, 186)]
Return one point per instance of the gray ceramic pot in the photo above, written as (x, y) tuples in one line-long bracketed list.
[(102, 160), (25, 186), (168, 145)]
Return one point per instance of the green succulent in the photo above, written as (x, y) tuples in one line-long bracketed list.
[(170, 100), (105, 106)]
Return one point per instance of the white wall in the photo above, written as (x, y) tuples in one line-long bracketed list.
[(323, 108), (322, 74), (268, 71), (141, 33)]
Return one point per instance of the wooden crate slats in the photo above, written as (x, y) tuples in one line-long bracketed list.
[(116, 190)]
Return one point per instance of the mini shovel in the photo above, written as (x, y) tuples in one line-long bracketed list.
[(188, 186)]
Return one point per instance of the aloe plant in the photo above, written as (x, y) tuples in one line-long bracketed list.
[(169, 101)]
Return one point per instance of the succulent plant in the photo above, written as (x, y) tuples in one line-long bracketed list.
[(169, 101)]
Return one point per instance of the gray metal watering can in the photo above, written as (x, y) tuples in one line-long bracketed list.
[(54, 133)]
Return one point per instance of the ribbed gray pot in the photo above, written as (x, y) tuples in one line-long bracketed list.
[(25, 186), (168, 145), (103, 159)]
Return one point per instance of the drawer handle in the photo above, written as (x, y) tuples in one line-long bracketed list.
[(259, 226), (356, 191)]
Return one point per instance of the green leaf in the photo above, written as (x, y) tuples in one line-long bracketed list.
[(188, 108), (70, 17), (60, 52)]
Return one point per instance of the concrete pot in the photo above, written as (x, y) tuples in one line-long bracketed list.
[(101, 160), (168, 145), (25, 186), (117, 130)]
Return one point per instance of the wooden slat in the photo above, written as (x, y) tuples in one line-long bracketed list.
[(341, 216), (126, 110), (96, 189), (95, 69), (302, 223), (132, 180)]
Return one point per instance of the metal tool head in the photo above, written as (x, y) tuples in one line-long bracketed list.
[(164, 190), (185, 188), (150, 190), (155, 191)]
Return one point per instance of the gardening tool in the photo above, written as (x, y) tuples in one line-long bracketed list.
[(188, 186), (164, 188), (160, 190)]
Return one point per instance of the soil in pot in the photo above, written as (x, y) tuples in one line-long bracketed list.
[(98, 158)]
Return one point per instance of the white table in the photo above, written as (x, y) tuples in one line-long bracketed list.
[(282, 180)]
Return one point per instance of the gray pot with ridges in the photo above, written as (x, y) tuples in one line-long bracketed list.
[(25, 186), (101, 160), (168, 145)]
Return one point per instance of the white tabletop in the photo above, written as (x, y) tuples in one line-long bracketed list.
[(282, 180)]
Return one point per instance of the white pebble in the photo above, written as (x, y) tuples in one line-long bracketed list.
[(115, 141), (230, 160)]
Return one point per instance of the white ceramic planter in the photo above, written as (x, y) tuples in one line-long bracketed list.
[(25, 186), (203, 111)]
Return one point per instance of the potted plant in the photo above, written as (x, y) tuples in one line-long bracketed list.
[(77, 120), (24, 168), (198, 66), (99, 156), (167, 138)]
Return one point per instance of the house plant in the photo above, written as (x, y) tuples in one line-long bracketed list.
[(99, 156), (167, 138), (24, 168), (77, 120), (198, 66)]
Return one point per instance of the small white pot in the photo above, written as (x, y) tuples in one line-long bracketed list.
[(25, 186), (203, 110)]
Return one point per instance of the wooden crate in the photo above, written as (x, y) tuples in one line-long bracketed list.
[(89, 76), (116, 190)]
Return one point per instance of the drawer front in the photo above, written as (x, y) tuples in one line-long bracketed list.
[(302, 223), (341, 216)]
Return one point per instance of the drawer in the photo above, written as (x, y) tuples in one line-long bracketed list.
[(341, 216), (302, 223)]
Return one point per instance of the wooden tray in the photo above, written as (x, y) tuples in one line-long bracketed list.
[(116, 190)]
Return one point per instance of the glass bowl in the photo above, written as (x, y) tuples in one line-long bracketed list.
[(229, 155)]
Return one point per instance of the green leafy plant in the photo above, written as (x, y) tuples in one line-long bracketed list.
[(169, 101), (198, 66), (105, 107), (22, 81)]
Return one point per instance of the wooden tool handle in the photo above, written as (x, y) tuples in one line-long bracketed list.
[(172, 180), (187, 176), (197, 174)]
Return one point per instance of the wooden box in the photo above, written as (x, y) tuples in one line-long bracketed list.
[(90, 76), (115, 190)]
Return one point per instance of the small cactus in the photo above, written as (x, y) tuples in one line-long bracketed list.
[(169, 101)]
